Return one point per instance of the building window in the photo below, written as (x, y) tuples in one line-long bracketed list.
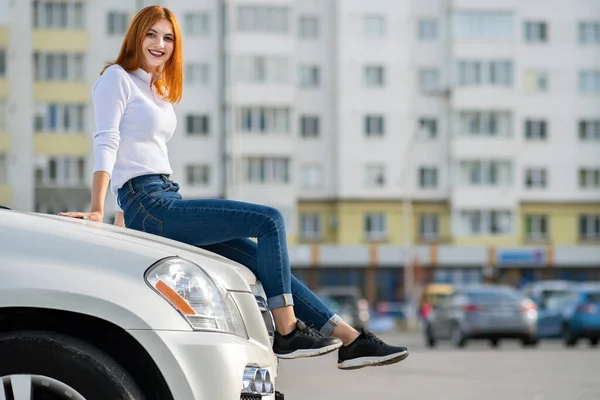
[(589, 178), (536, 178), (197, 124), (58, 66), (374, 175), (311, 176), (429, 227), (485, 123), (118, 22), (264, 120), (536, 129), (374, 26), (428, 177), (308, 76), (58, 14), (196, 74), (589, 227), (3, 63), (536, 32), (486, 173), (589, 129), (3, 169), (374, 125), (589, 82), (486, 222), (428, 128), (537, 82), (308, 27), (263, 69), (374, 76), (429, 79), (61, 118), (309, 126), (267, 169), (263, 19), (375, 226), (63, 171), (482, 25), (196, 24), (197, 175), (311, 226), (589, 32), (536, 227), (427, 29), (485, 73)]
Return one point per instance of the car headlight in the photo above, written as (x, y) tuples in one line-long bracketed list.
[(201, 301)]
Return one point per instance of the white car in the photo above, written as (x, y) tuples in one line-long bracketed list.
[(94, 311)]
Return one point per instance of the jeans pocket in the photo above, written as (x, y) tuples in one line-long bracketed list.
[(151, 224)]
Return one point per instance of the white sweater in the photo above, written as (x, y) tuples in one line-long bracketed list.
[(133, 126)]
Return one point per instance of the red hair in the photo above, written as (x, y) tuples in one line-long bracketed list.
[(170, 83)]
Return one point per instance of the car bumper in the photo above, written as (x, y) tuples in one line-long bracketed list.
[(205, 365)]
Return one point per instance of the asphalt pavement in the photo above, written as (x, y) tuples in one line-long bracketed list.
[(477, 372)]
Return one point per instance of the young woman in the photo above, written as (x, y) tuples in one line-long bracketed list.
[(133, 105)]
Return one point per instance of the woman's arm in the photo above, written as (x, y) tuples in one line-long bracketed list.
[(119, 219), (110, 97)]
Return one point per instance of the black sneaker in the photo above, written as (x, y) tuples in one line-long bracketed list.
[(304, 341), (368, 350)]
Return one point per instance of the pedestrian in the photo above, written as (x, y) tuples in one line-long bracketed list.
[(134, 119)]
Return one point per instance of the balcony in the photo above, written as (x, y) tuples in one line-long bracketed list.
[(498, 197), (483, 147), (62, 144), (59, 40)]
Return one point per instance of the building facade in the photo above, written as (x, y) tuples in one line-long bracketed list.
[(416, 128)]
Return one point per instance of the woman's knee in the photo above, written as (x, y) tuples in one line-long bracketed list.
[(273, 217)]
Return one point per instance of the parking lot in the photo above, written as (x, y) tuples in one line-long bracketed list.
[(477, 372)]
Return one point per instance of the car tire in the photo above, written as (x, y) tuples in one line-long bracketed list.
[(457, 336), (594, 342), (570, 340), (429, 339), (69, 361), (495, 343), (529, 341)]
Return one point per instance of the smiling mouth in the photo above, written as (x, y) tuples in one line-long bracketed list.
[(156, 53)]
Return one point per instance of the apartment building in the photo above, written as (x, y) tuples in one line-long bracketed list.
[(450, 124)]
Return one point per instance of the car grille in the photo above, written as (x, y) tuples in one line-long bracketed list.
[(267, 316), (251, 397)]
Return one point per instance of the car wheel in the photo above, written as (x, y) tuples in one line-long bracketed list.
[(494, 343), (429, 339), (56, 366), (529, 341), (594, 342), (458, 338), (569, 337)]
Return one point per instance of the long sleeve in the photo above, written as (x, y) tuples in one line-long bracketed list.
[(110, 96)]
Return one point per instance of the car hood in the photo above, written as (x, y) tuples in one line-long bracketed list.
[(79, 238)]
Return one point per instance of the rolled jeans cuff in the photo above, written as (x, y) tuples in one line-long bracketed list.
[(282, 300), (327, 329)]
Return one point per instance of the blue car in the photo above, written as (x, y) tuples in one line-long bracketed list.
[(574, 314)]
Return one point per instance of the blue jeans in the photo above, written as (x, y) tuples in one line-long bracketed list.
[(152, 204)]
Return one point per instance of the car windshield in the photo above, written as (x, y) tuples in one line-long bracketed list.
[(490, 296), (593, 297)]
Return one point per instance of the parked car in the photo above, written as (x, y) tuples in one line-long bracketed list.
[(486, 312), (348, 302), (541, 292), (94, 311), (573, 315)]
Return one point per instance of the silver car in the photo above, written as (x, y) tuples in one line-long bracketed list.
[(94, 311), (482, 312)]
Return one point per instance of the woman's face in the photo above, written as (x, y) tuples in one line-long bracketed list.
[(157, 46)]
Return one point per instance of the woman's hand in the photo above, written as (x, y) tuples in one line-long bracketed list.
[(90, 216)]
